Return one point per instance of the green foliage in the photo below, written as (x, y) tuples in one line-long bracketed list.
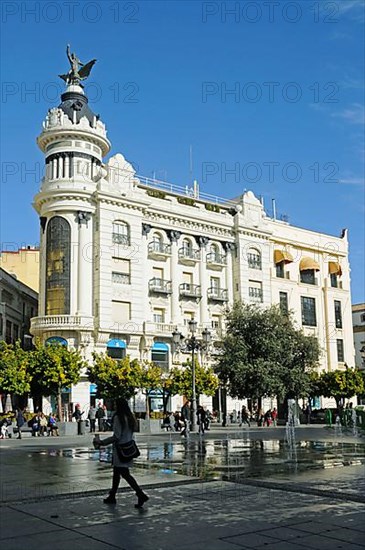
[(53, 367), (14, 371), (156, 193), (341, 384), (186, 200), (263, 354), (212, 207), (180, 380), (115, 378)]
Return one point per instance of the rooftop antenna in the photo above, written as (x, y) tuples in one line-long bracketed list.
[(273, 208), (191, 163)]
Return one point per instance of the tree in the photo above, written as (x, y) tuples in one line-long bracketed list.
[(115, 378), (151, 379), (263, 354), (342, 384), (14, 369), (52, 368), (180, 380)]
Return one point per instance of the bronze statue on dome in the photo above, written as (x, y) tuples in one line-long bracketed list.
[(79, 71)]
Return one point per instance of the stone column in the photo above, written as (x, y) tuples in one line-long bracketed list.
[(229, 248), (85, 265), (60, 166), (175, 310), (146, 228), (204, 314), (67, 167)]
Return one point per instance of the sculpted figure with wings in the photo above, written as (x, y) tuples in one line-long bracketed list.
[(79, 71)]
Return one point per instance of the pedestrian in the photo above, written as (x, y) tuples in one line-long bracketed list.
[(99, 416), (267, 418), (20, 421), (185, 414), (200, 413), (207, 420), (78, 417), (92, 417), (260, 417), (274, 416), (124, 425), (105, 419), (245, 417)]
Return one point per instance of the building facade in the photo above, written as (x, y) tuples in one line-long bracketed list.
[(18, 304), (23, 263), (124, 260), (358, 321)]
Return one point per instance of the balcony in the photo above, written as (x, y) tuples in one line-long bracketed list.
[(189, 256), (158, 250), (216, 261), (187, 290), (217, 294), (53, 323), (159, 286), (156, 329), (121, 239), (255, 294)]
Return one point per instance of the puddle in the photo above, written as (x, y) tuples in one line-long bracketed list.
[(231, 458)]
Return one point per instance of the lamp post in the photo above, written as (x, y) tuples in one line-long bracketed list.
[(192, 344)]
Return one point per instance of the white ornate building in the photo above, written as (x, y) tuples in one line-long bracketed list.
[(124, 260)]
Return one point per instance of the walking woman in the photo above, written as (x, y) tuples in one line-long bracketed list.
[(124, 424)]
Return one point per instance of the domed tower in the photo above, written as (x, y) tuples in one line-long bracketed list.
[(74, 143)]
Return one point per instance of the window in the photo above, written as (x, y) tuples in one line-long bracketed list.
[(116, 349), (215, 283), (254, 259), (280, 270), (121, 271), (187, 247), (158, 315), (8, 332), (1, 325), (160, 355), (121, 311), (338, 314), (255, 291), (362, 318), (158, 273), (216, 322), (308, 277), (308, 311), (58, 251), (340, 352), (187, 278), (334, 280), (121, 233), (15, 332), (188, 316), (215, 252), (284, 306)]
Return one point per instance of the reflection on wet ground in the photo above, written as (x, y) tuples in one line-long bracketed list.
[(232, 458)]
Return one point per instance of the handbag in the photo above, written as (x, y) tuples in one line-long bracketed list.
[(127, 451)]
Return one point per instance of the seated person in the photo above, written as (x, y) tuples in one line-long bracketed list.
[(34, 424), (52, 424), (166, 422)]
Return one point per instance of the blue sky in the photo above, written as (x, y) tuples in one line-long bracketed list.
[(292, 127)]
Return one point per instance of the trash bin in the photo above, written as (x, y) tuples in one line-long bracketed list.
[(82, 427)]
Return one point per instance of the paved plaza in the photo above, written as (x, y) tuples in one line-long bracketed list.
[(228, 489)]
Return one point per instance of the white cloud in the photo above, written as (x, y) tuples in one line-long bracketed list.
[(352, 181), (354, 114)]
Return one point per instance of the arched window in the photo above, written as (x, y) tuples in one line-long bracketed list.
[(58, 251), (187, 247), (121, 233), (254, 259), (215, 251)]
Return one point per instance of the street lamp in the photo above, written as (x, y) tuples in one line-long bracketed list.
[(192, 344)]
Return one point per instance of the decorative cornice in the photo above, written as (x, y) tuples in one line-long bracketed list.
[(191, 226)]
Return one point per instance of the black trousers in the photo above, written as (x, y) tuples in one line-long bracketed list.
[(123, 472)]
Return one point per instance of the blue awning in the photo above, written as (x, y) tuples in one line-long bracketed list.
[(93, 388), (57, 340), (115, 343), (160, 346)]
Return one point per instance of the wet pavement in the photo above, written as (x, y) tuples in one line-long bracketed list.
[(230, 489)]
